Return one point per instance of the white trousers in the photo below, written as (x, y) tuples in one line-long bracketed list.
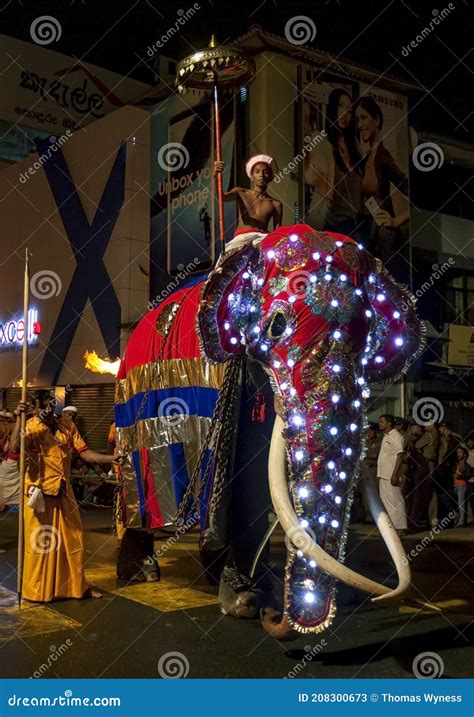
[(392, 499), (242, 239)]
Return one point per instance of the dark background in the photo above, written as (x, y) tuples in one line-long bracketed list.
[(116, 35)]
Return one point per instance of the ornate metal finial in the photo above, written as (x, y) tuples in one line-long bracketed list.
[(224, 64), (213, 42)]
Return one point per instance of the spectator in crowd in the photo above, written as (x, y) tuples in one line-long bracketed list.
[(69, 415), (388, 467), (461, 475), (418, 489), (444, 472), (470, 483), (9, 473), (402, 427)]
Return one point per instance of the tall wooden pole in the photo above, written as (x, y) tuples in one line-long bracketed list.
[(24, 369), (220, 188)]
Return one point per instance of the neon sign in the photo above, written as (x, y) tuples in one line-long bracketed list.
[(12, 333)]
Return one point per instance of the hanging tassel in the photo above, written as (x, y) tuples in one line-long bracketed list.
[(258, 409)]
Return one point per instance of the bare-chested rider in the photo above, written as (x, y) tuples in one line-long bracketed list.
[(255, 207)]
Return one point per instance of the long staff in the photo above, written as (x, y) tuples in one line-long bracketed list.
[(24, 368)]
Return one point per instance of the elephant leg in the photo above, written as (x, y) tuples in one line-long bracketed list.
[(136, 561), (250, 502)]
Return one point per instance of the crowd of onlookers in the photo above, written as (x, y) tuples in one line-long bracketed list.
[(93, 484), (424, 474)]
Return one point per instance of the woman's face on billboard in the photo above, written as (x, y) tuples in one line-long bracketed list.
[(344, 112), (366, 124)]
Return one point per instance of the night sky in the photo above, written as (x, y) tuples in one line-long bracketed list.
[(116, 34)]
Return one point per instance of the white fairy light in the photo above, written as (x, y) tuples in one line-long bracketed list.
[(338, 243), (331, 465), (276, 364), (335, 398), (399, 341), (371, 278), (348, 451), (356, 403), (353, 427), (343, 277), (361, 380), (304, 523), (260, 281), (333, 431), (303, 492), (334, 303), (336, 368), (270, 254), (364, 362), (233, 340), (293, 237), (313, 278), (360, 246), (368, 313), (381, 297), (378, 359), (292, 391), (245, 275), (337, 499), (329, 259), (322, 519), (316, 256), (264, 347), (297, 419), (337, 334), (334, 523), (309, 597), (284, 386), (290, 363), (256, 329), (226, 325), (343, 475), (231, 297), (299, 455), (312, 563), (288, 331), (292, 299), (396, 314), (327, 488), (328, 277), (358, 292)]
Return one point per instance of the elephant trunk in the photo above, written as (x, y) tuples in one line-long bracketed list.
[(307, 545)]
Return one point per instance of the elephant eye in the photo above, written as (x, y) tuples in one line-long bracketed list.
[(278, 325)]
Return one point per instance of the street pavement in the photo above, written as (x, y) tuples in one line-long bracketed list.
[(134, 626)]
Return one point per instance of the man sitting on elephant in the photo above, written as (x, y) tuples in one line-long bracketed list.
[(255, 207)]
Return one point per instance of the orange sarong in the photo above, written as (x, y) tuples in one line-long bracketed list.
[(53, 565)]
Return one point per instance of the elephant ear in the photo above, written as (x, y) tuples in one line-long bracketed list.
[(223, 312), (397, 333)]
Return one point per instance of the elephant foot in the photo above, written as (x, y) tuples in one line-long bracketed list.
[(237, 596)]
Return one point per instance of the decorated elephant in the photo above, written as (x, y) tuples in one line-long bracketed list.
[(323, 319)]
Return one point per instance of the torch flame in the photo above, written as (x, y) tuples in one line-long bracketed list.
[(98, 365)]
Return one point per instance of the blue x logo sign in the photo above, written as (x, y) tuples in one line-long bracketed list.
[(89, 243)]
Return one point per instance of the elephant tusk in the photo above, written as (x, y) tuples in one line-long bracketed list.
[(392, 541), (290, 523)]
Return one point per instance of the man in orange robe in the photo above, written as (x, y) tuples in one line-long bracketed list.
[(53, 565)]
